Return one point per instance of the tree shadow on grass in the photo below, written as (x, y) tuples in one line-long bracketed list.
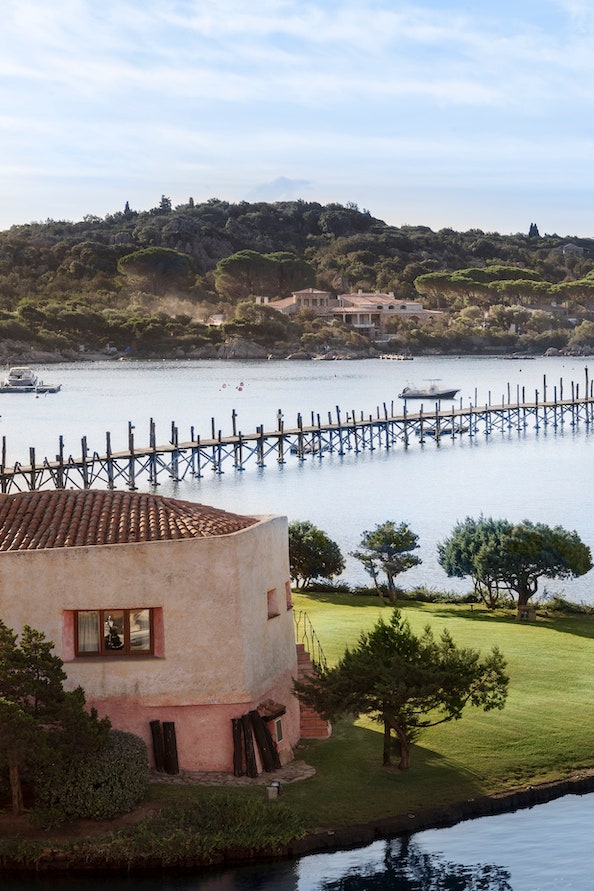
[(351, 786), (580, 624)]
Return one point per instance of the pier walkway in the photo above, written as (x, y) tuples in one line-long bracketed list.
[(338, 434)]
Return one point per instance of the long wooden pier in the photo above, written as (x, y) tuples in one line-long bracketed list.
[(338, 434)]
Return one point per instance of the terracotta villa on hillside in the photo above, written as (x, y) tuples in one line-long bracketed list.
[(162, 610)]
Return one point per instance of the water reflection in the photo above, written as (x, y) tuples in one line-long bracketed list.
[(406, 867)]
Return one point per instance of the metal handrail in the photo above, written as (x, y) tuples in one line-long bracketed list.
[(305, 633)]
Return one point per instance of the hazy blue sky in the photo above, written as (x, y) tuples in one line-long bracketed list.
[(446, 113)]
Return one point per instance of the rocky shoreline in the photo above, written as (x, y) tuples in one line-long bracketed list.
[(58, 861), (236, 348)]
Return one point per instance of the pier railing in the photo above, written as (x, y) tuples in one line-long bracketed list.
[(339, 434)]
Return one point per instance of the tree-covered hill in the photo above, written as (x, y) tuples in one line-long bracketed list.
[(152, 280)]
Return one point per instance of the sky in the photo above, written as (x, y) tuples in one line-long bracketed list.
[(462, 114)]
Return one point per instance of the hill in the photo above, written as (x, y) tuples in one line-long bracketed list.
[(183, 280)]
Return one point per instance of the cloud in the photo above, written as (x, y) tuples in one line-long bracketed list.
[(342, 95)]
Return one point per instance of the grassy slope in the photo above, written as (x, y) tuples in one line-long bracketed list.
[(543, 733)]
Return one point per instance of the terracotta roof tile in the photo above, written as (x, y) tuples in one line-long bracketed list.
[(79, 518)]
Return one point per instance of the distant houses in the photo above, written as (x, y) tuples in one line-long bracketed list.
[(369, 312)]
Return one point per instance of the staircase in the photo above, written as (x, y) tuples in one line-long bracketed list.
[(312, 725)]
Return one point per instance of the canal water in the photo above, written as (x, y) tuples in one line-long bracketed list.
[(538, 475)]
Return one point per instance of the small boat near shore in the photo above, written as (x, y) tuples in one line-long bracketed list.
[(431, 392), (22, 379)]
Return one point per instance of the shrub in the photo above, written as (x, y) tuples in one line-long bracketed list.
[(100, 785), (431, 595), (320, 587), (207, 829), (556, 603)]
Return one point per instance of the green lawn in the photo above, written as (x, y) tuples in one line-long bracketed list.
[(544, 732)]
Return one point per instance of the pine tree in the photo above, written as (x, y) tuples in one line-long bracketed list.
[(38, 718)]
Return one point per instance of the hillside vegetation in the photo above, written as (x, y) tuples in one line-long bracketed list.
[(183, 280)]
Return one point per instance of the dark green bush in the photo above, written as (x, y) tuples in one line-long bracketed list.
[(100, 785)]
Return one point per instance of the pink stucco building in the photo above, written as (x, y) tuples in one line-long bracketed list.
[(162, 610)]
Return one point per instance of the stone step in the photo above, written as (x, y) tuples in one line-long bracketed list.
[(312, 726)]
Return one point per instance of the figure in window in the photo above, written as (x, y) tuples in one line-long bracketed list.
[(113, 641)]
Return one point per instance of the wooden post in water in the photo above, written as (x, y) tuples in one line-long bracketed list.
[(405, 426), (4, 478), (219, 461), (85, 467), (339, 423), (110, 484), (131, 459), (60, 460), (32, 486), (280, 444), (355, 433), (198, 466), (239, 454), (300, 450), (174, 453), (153, 469)]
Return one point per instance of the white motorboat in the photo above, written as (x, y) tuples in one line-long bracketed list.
[(22, 379), (432, 392)]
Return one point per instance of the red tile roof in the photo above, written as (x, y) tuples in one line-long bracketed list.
[(79, 518)]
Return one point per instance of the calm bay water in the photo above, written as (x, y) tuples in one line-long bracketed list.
[(542, 476)]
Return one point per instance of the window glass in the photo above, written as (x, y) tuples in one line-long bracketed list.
[(88, 631), (140, 630), (113, 629), (278, 726), (108, 632)]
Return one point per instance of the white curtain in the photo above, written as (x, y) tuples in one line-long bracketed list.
[(88, 631)]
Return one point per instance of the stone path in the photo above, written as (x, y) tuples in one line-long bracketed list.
[(289, 773)]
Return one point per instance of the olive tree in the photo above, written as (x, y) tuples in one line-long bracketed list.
[(406, 682)]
